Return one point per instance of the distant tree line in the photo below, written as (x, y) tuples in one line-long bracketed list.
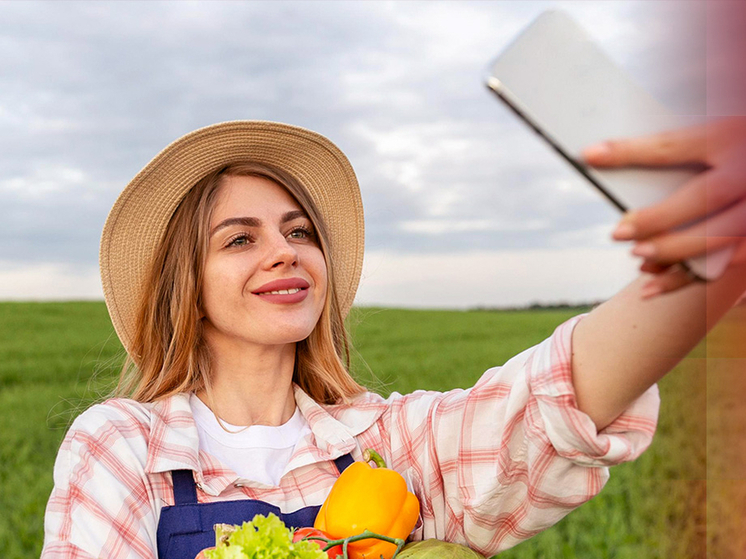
[(537, 306)]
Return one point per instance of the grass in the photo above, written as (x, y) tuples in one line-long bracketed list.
[(59, 357)]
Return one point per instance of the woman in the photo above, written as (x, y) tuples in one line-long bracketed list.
[(228, 264)]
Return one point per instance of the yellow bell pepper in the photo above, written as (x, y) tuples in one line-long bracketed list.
[(366, 498)]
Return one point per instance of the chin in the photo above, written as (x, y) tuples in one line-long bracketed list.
[(289, 334)]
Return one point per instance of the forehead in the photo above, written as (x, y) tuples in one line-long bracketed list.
[(251, 196)]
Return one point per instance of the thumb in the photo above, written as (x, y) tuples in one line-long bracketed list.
[(672, 147)]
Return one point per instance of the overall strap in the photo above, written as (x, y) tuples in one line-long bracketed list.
[(185, 490), (187, 527), (343, 461)]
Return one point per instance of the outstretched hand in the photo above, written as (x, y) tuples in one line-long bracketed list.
[(719, 192)]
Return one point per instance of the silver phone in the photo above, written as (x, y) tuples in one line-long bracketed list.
[(560, 83)]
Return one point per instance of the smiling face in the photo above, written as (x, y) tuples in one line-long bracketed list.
[(265, 276)]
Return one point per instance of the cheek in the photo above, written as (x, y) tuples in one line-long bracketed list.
[(217, 284), (317, 268), (210, 276)]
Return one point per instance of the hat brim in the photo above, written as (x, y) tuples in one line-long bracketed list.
[(139, 217)]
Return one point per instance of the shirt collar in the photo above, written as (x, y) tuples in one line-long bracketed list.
[(333, 428), (174, 444)]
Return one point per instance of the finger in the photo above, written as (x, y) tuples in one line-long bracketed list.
[(726, 139), (672, 147), (674, 279), (652, 267), (739, 255), (725, 228), (675, 248), (704, 194)]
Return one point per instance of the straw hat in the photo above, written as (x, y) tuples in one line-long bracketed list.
[(139, 217)]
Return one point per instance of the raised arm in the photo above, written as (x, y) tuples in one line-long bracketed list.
[(629, 342)]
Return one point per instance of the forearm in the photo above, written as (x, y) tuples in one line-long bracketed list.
[(628, 343)]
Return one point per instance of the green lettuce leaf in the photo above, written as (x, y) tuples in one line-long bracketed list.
[(265, 537)]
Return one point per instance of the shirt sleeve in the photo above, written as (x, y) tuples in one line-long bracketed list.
[(100, 505), (500, 462)]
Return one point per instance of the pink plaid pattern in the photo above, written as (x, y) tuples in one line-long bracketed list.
[(492, 465)]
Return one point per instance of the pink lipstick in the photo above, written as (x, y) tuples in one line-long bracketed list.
[(284, 291)]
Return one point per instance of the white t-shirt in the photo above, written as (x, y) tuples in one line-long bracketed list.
[(259, 452)]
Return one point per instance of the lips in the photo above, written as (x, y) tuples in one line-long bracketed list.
[(289, 284)]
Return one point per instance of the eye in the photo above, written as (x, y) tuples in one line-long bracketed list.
[(301, 232), (242, 239)]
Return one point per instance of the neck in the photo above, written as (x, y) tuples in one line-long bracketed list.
[(252, 385)]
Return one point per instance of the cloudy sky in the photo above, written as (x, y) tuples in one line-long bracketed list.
[(464, 205)]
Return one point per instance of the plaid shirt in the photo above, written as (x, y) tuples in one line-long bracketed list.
[(492, 465)]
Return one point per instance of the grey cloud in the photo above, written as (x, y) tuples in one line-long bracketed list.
[(100, 87)]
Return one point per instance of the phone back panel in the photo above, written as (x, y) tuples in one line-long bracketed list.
[(561, 80)]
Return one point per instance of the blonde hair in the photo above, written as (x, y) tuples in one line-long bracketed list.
[(169, 354)]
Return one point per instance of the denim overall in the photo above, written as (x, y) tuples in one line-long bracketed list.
[(186, 528)]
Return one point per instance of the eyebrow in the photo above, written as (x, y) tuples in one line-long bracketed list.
[(256, 222)]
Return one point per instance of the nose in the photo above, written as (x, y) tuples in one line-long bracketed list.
[(281, 253)]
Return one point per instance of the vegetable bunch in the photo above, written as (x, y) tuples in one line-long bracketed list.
[(265, 537), (368, 515)]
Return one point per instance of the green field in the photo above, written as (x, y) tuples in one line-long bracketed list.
[(56, 358)]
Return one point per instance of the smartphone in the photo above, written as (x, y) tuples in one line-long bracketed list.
[(559, 82)]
